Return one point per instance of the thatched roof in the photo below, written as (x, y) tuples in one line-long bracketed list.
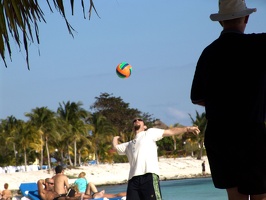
[(159, 124)]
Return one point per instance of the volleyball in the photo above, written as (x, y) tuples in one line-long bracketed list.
[(123, 70)]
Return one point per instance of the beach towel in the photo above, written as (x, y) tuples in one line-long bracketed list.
[(26, 187), (34, 195)]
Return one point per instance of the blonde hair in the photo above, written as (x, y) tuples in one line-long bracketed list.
[(82, 174), (74, 187)]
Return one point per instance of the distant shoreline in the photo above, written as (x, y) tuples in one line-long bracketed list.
[(170, 179), (17, 193), (113, 174)]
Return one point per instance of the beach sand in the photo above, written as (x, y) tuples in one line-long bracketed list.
[(105, 174)]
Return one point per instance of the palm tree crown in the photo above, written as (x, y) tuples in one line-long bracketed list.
[(19, 19)]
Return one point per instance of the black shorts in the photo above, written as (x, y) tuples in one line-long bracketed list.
[(236, 154), (144, 187), (60, 195)]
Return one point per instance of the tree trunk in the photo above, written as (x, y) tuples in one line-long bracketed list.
[(75, 152), (41, 162), (25, 160), (48, 155), (15, 153), (62, 156), (200, 151), (174, 142), (69, 158)]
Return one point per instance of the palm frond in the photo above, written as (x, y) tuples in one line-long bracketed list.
[(19, 19)]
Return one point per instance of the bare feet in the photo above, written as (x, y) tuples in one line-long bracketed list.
[(99, 194)]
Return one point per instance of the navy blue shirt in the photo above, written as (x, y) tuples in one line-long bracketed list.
[(230, 78)]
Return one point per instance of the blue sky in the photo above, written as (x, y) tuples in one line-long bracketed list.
[(162, 40)]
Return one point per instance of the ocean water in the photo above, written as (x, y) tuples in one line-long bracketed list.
[(185, 189)]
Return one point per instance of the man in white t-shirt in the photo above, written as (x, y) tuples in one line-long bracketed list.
[(143, 159)]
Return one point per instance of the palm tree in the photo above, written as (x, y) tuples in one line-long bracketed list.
[(201, 122), (44, 121), (27, 138), (22, 17), (101, 133), (74, 116), (82, 149), (9, 127), (80, 130), (59, 138)]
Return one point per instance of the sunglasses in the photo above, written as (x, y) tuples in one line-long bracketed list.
[(137, 120)]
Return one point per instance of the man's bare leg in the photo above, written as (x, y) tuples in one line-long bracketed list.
[(99, 194), (91, 188), (258, 197), (121, 194), (233, 194), (103, 194)]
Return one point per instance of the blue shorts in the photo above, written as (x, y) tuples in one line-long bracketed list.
[(146, 187)]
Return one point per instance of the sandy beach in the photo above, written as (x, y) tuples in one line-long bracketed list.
[(102, 174)]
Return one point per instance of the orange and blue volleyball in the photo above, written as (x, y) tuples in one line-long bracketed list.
[(123, 70)]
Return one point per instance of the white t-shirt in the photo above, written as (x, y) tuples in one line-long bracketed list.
[(142, 152)]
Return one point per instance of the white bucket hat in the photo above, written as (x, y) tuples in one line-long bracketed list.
[(231, 9)]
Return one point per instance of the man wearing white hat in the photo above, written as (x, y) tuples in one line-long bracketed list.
[(230, 81)]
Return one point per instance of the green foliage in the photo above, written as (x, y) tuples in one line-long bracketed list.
[(101, 136), (73, 133), (191, 148), (165, 144), (6, 160), (201, 122), (166, 147), (118, 113), (120, 159)]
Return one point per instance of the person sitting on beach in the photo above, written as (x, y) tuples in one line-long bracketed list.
[(90, 189), (6, 193), (46, 189), (81, 182), (61, 184), (84, 186), (46, 192)]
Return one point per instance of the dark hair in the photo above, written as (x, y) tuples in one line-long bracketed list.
[(6, 185), (58, 169)]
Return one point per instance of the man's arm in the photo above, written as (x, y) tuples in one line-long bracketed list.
[(41, 190), (115, 142), (66, 183), (181, 130)]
